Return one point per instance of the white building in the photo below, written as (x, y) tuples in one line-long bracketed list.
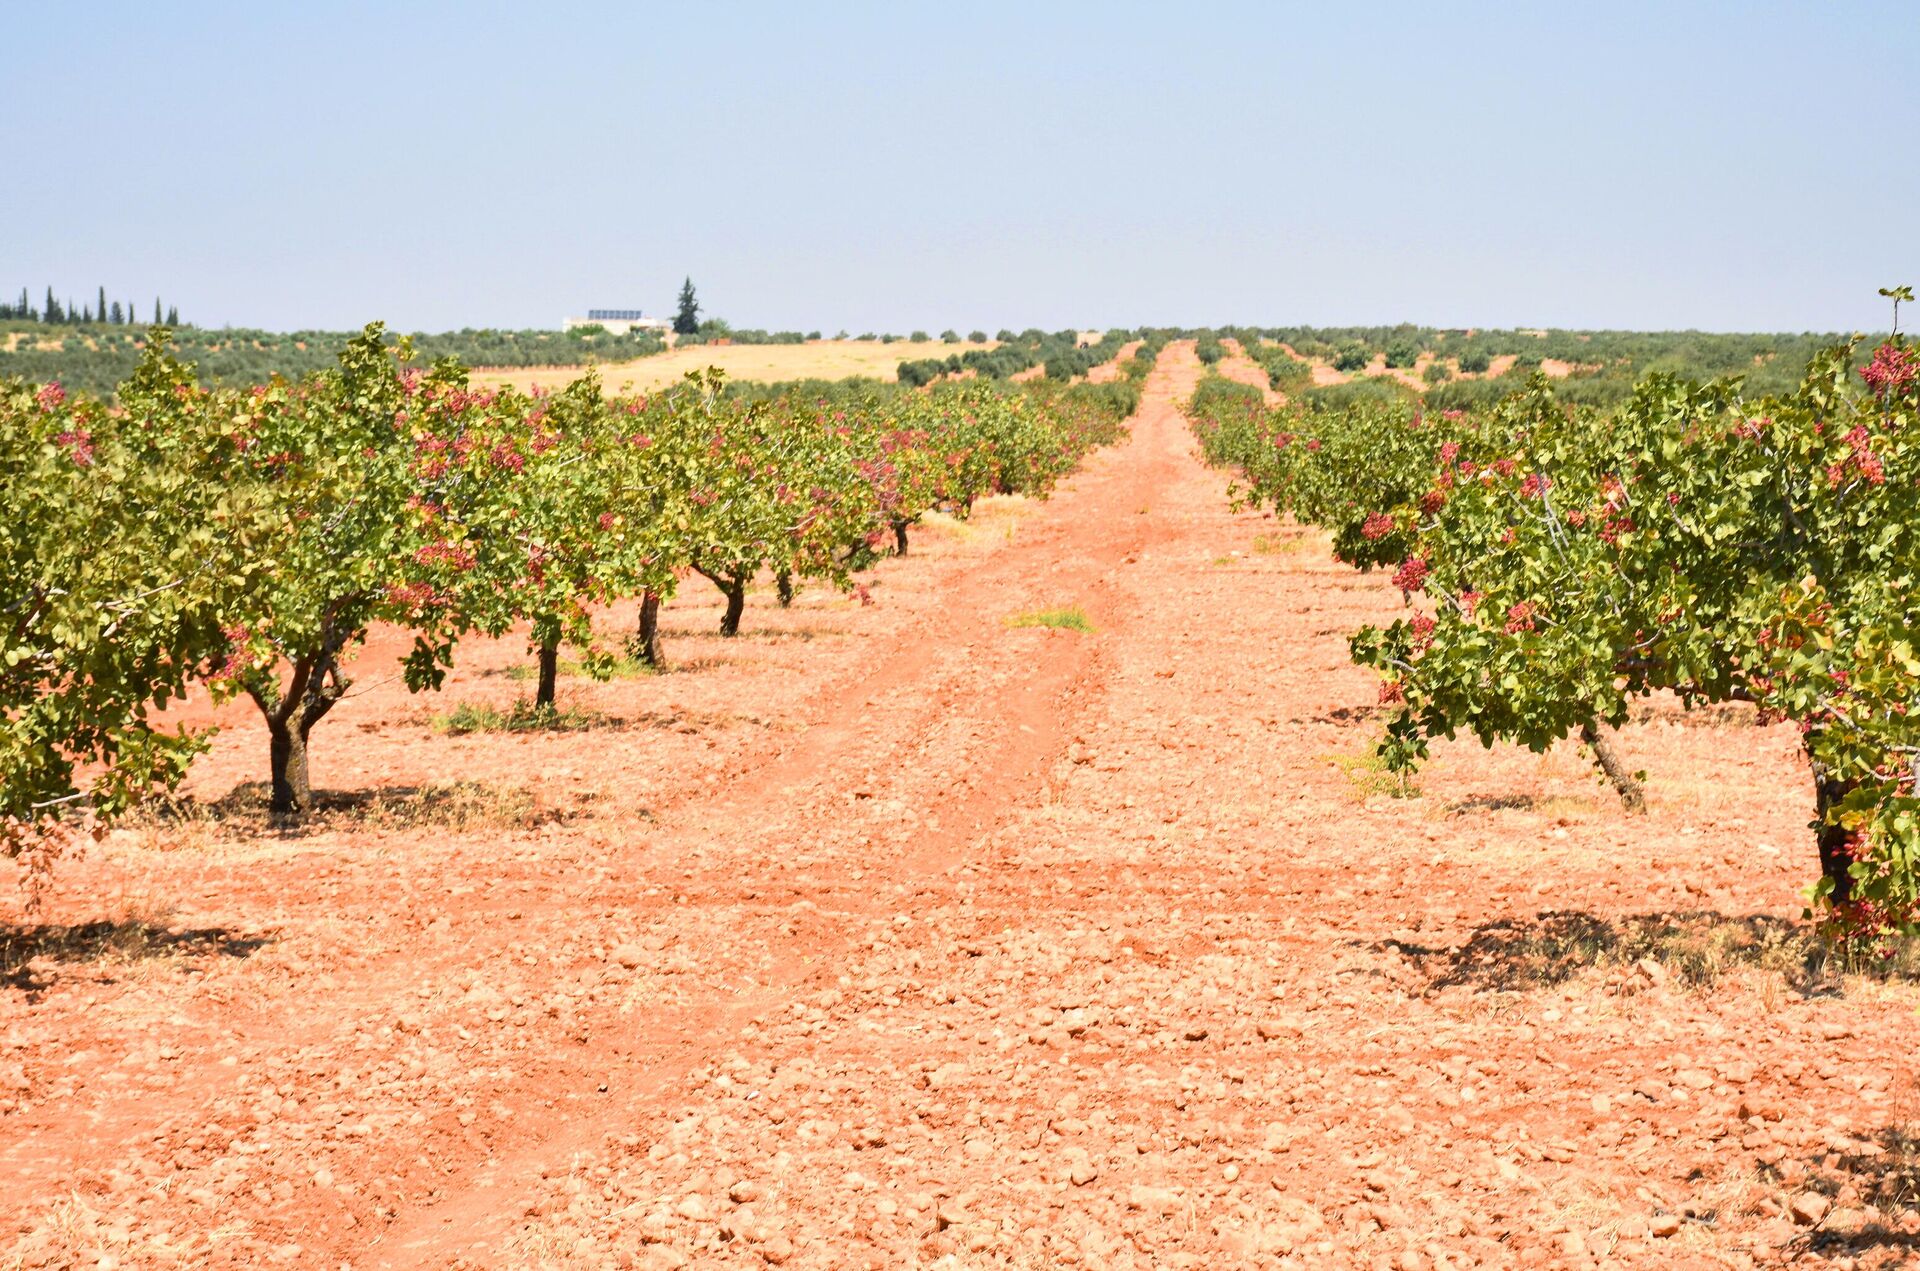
[(618, 321)]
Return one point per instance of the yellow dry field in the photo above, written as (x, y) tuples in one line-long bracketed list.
[(817, 359)]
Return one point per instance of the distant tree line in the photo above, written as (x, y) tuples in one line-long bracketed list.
[(1454, 364), (720, 331), (103, 311), (96, 357), (1606, 363), (1058, 351)]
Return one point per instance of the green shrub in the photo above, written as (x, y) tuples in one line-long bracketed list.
[(522, 717), (921, 371), (1216, 393), (1468, 394), (1369, 388)]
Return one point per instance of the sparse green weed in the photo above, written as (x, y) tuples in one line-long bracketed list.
[(522, 717), (1063, 618)]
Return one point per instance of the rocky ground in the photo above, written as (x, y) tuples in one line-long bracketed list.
[(893, 935)]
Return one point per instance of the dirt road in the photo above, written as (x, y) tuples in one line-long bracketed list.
[(894, 936)]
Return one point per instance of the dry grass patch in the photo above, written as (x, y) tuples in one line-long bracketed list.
[(1369, 777), (71, 1232), (185, 824), (1663, 710), (1277, 544), (139, 933), (1882, 1171), (1695, 951), (447, 805), (1554, 807), (957, 528)]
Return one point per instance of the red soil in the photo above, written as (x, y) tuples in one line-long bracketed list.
[(1240, 368), (889, 936), (1108, 371)]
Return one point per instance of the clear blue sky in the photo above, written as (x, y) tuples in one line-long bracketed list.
[(898, 165)]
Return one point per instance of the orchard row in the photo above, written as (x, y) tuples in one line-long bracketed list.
[(1560, 562), (248, 538)]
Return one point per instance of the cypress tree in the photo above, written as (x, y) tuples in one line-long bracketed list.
[(687, 321), (53, 307), (173, 315), (156, 311), (100, 311), (26, 309), (114, 317)]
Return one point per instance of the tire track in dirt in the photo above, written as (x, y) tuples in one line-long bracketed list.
[(1239, 366), (1018, 731)]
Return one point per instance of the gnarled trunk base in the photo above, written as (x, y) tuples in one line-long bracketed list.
[(287, 750)]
